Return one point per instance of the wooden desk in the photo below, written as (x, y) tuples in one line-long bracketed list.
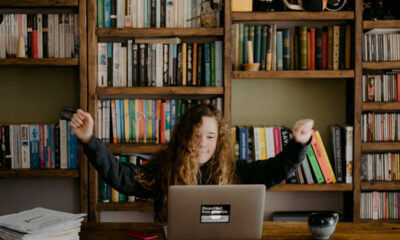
[(271, 230)]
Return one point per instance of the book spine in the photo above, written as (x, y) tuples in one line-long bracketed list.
[(330, 47), (279, 51), (207, 63), (25, 151), (245, 39), (348, 46), (63, 144), (325, 49), (323, 151), (337, 152), (107, 14), (336, 47), (318, 49), (113, 12), (312, 49), (286, 57), (212, 64), (189, 65), (218, 63), (100, 13), (45, 35), (320, 158), (102, 65), (243, 143), (314, 165), (303, 48)]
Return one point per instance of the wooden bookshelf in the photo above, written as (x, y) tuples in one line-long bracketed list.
[(380, 65), (370, 24), (334, 187), (380, 186), (134, 148), (293, 74), (292, 15), (39, 3), (380, 106), (380, 146), (157, 32), (39, 173), (159, 91), (40, 62), (126, 206)]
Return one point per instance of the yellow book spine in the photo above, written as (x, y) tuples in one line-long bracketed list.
[(126, 119), (263, 147), (328, 163), (184, 67)]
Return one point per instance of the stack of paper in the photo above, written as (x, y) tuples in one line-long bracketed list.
[(41, 223)]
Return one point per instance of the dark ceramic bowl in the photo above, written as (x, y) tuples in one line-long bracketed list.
[(322, 224)]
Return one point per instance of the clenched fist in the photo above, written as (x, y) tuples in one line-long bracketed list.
[(82, 125), (302, 130)]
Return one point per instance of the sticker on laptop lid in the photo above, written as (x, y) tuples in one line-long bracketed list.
[(216, 213)]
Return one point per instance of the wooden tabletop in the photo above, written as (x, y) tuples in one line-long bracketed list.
[(271, 230)]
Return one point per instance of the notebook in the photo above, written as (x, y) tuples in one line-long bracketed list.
[(215, 212)]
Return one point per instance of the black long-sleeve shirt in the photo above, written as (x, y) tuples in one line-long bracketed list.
[(120, 175)]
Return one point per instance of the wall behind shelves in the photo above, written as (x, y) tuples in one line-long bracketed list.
[(37, 95), (283, 102)]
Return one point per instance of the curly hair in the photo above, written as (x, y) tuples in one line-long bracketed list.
[(177, 161)]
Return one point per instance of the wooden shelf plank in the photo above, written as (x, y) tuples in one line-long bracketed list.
[(378, 106), (370, 24), (135, 148), (335, 187), (159, 32), (39, 62), (380, 186), (39, 3), (291, 15), (126, 206), (293, 74), (380, 146), (159, 91), (380, 65), (39, 173)]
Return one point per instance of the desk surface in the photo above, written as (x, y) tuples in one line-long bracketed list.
[(271, 230)]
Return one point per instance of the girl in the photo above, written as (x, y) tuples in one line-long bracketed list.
[(200, 152)]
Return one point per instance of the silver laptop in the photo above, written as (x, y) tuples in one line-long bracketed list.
[(215, 212)]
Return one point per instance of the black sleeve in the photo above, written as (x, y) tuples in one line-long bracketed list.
[(272, 171), (118, 175)]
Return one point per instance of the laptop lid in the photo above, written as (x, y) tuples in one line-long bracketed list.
[(215, 212)]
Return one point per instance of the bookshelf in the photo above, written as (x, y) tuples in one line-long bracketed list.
[(361, 147), (96, 35), (75, 67)]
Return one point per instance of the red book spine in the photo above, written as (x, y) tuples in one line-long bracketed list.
[(312, 48), (34, 38), (325, 50)]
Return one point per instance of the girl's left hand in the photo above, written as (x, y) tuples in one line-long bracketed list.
[(302, 130)]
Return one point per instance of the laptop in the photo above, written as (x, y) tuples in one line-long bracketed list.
[(215, 212)]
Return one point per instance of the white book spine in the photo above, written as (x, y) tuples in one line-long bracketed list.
[(62, 35), (120, 13), (116, 66), (129, 63), (349, 154), (63, 144), (57, 35), (71, 35), (102, 64), (50, 35), (180, 13), (13, 149), (134, 13), (3, 37), (170, 14), (170, 62), (269, 142), (158, 13), (99, 120), (76, 35), (67, 32), (8, 33), (128, 14), (24, 33), (18, 147), (14, 33), (40, 35), (25, 151), (159, 64), (123, 67), (140, 13), (185, 13)]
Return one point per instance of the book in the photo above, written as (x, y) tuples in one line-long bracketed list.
[(338, 153), (320, 158), (347, 138), (314, 165), (327, 161)]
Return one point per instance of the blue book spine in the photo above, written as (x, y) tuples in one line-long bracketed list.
[(117, 120), (286, 49), (122, 119), (279, 51), (173, 114), (46, 142), (245, 39), (107, 13), (257, 44), (74, 151), (207, 60), (307, 171), (69, 165), (145, 13), (145, 118), (34, 138), (243, 143)]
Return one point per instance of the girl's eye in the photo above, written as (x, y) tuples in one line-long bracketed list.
[(210, 137)]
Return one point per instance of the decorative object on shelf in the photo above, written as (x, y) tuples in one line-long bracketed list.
[(309, 5), (242, 6), (251, 65), (209, 15), (265, 5), (335, 5), (322, 224), (21, 47)]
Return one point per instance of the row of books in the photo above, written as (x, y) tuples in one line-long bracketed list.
[(108, 194), (382, 87), (44, 35), (142, 120), (380, 167), (160, 62), (380, 127), (34, 146), (307, 48), (380, 205), (381, 45), (261, 143), (151, 13)]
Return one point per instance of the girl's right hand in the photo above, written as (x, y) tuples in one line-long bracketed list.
[(82, 125)]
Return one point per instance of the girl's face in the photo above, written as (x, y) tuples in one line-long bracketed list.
[(206, 140)]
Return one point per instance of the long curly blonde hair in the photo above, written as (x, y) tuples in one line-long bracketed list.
[(177, 164)]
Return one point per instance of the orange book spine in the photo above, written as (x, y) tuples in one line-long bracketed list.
[(320, 158)]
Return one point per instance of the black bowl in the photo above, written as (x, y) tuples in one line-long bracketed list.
[(322, 224)]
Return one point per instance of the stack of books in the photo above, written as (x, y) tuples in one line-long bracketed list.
[(41, 223)]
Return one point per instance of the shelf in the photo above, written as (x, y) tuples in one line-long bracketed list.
[(126, 206), (380, 186), (39, 3), (380, 106), (159, 32), (208, 91), (370, 24), (291, 15), (380, 65), (380, 146), (135, 148), (293, 74), (381, 220), (39, 62), (39, 173), (334, 187)]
